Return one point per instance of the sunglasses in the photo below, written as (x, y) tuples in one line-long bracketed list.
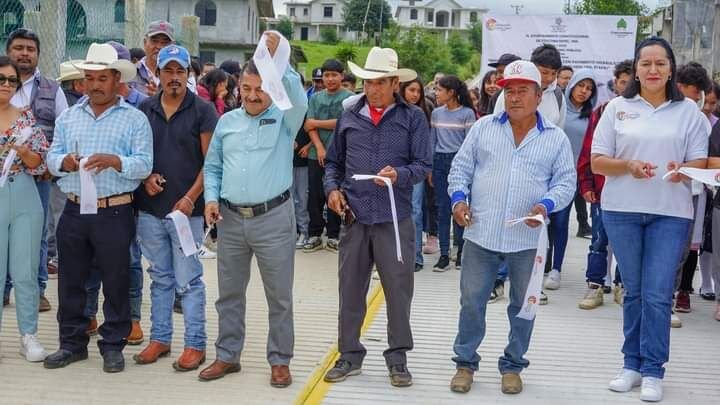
[(14, 81)]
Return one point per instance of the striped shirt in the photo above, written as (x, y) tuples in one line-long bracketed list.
[(507, 181), (448, 128), (121, 130)]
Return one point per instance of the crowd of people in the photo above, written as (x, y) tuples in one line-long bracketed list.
[(152, 135)]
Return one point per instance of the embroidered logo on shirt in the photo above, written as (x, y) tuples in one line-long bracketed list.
[(622, 115)]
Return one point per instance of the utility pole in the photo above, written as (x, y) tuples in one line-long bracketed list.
[(367, 10), (517, 8)]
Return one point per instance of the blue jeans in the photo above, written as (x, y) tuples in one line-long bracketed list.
[(477, 279), (136, 285), (441, 169), (417, 215), (597, 260), (559, 226), (648, 249), (171, 271)]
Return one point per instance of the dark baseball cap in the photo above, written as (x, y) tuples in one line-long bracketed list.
[(317, 74), (161, 27), (505, 59)]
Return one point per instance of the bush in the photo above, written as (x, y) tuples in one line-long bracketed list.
[(346, 52), (328, 35), (285, 27)]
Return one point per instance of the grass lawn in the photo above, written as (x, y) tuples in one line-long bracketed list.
[(317, 53)]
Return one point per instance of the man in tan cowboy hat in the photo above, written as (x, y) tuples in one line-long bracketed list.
[(113, 141), (71, 82), (378, 135)]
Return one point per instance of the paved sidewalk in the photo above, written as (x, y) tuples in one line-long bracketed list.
[(573, 353)]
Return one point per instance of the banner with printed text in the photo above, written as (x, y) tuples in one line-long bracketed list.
[(597, 42)]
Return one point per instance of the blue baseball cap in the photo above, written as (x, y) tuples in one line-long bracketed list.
[(173, 53)]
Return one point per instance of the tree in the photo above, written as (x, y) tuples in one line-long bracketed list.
[(328, 35), (285, 27), (607, 7), (355, 11), (424, 52), (460, 50), (475, 35)]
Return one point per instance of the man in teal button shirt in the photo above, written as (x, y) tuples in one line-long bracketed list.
[(248, 173)]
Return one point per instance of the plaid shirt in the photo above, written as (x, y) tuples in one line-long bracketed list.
[(121, 130)]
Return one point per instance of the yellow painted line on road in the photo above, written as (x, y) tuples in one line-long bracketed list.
[(316, 388)]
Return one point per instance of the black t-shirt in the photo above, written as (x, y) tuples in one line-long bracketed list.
[(177, 151), (714, 151)]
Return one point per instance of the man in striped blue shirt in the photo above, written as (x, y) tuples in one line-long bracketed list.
[(517, 164), (117, 141)]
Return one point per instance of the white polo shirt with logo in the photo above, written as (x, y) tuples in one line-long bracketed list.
[(632, 129)]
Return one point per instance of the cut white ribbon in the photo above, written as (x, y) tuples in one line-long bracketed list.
[(88, 191), (25, 134), (272, 69), (707, 176), (393, 210), (184, 232), (534, 288)]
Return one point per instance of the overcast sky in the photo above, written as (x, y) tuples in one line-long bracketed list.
[(503, 6)]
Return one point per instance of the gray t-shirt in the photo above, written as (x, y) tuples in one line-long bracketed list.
[(448, 128)]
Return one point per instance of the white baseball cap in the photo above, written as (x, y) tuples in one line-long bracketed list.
[(520, 70)]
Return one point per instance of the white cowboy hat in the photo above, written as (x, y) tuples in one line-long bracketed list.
[(104, 56), (382, 62), (69, 72)]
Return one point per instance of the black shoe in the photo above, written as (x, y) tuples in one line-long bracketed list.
[(342, 370), (607, 289), (707, 296), (458, 262), (418, 267), (62, 358), (113, 361), (442, 265), (177, 305), (584, 231), (400, 376), (6, 301)]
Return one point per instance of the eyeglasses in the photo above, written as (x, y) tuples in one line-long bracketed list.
[(14, 81)]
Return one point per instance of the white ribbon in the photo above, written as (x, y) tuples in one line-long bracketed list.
[(272, 69), (707, 176), (393, 210), (25, 134), (184, 232), (88, 192), (534, 288)]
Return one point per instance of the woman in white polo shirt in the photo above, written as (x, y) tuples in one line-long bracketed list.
[(649, 131)]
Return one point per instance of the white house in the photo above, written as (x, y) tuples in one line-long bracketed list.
[(310, 17), (442, 16)]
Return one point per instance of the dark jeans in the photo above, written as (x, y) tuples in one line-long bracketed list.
[(316, 204), (441, 169), (580, 208), (688, 271), (558, 238), (430, 217), (103, 238), (597, 260)]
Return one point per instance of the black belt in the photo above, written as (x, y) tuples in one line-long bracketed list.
[(249, 211)]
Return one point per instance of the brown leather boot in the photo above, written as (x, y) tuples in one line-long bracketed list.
[(136, 336), (152, 353), (218, 369), (92, 328), (281, 377), (190, 359)]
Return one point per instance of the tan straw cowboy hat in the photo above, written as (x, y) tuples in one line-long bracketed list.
[(104, 56), (382, 62)]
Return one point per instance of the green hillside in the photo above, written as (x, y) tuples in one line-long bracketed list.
[(317, 53)]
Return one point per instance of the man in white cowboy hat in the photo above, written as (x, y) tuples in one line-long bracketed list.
[(520, 154), (379, 135), (71, 82), (113, 141)]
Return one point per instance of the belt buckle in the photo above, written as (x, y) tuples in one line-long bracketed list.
[(246, 212)]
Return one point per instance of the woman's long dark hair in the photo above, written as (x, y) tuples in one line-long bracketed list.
[(211, 80), (422, 103), (672, 92), (460, 89), (484, 102), (5, 61)]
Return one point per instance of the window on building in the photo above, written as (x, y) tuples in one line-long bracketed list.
[(292, 11), (207, 56), (305, 11), (207, 11), (120, 11), (413, 14), (430, 15), (11, 15), (327, 11), (473, 16)]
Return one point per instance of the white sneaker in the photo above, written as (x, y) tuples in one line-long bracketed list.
[(675, 321), (31, 349), (205, 253), (553, 280), (301, 240), (625, 381), (651, 390)]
